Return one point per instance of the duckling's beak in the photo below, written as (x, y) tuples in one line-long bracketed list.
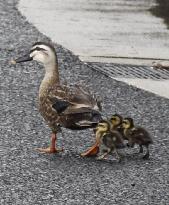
[(94, 130), (123, 125), (22, 59)]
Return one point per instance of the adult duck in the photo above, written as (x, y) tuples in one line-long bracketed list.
[(60, 105)]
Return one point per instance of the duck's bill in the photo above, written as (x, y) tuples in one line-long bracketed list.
[(24, 58)]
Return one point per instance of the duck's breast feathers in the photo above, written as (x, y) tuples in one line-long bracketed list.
[(72, 98)]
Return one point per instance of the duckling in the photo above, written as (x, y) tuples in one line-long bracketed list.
[(137, 135), (108, 140), (116, 122), (61, 105)]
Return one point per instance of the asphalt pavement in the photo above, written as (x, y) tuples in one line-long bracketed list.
[(29, 177)]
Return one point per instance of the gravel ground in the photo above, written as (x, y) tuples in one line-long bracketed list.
[(27, 177)]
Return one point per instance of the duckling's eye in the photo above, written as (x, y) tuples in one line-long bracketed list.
[(113, 118), (101, 126), (40, 49)]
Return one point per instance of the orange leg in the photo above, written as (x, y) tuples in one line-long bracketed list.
[(52, 148), (92, 151)]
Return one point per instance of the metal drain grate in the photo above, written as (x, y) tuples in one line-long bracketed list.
[(130, 71)]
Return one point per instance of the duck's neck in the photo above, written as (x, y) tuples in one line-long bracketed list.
[(51, 78)]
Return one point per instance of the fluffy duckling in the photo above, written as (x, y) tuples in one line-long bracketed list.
[(136, 135), (116, 124), (61, 105), (108, 140)]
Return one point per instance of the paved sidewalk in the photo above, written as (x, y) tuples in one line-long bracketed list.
[(27, 177), (121, 31)]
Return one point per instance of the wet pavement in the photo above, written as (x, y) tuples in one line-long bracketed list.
[(161, 9), (121, 31)]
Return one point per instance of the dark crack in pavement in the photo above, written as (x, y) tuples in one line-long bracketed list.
[(28, 177)]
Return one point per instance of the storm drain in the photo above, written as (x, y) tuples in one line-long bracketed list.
[(130, 71)]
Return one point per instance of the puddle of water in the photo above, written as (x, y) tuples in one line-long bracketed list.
[(162, 10), (98, 30)]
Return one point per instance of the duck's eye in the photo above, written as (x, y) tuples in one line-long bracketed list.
[(37, 49), (101, 125), (40, 49)]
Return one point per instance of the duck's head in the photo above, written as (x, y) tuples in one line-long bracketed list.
[(127, 123), (40, 52), (116, 119), (103, 126)]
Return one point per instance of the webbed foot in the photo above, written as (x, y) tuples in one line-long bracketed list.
[(93, 151), (49, 150), (52, 148)]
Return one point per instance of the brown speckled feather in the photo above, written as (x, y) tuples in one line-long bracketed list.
[(78, 106)]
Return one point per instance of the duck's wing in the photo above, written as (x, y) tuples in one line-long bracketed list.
[(72, 99), (60, 105), (81, 97), (75, 107)]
